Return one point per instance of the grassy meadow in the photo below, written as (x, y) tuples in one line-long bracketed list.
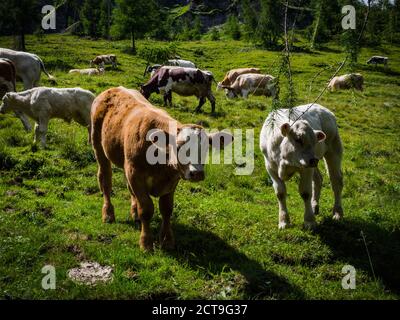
[(228, 245)]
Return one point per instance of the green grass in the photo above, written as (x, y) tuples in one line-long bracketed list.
[(228, 243)]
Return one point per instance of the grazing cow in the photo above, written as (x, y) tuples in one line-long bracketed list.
[(28, 66), (347, 81), (232, 75), (291, 146), (183, 81), (378, 60), (7, 84), (180, 63), (173, 63), (255, 84), (88, 72), (104, 59), (152, 69), (126, 129), (42, 104)]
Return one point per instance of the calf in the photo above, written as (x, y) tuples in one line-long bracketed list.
[(88, 72), (183, 81), (43, 104), (126, 130), (255, 84), (104, 59), (378, 60), (7, 84), (232, 75), (291, 146), (347, 81)]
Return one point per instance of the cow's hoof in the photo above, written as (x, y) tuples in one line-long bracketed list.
[(283, 225), (108, 214), (337, 216), (168, 244), (310, 225), (146, 243)]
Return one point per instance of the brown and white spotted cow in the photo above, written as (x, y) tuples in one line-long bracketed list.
[(232, 75), (104, 59), (183, 81), (127, 131)]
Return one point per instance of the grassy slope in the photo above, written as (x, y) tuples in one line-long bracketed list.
[(228, 244)]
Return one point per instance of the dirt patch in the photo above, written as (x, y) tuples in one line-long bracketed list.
[(91, 273)]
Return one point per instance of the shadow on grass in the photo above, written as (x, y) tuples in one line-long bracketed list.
[(346, 242), (203, 250)]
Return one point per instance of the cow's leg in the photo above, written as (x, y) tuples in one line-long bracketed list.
[(280, 191), (169, 98), (24, 119), (144, 205), (166, 204), (40, 132), (333, 162), (202, 101), (133, 211), (245, 94), (104, 176), (211, 98), (305, 190), (316, 190)]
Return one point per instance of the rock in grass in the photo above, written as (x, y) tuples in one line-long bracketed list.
[(91, 273)]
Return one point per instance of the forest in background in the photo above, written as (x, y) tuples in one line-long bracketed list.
[(256, 21)]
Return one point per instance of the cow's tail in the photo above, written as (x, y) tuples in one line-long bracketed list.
[(51, 78)]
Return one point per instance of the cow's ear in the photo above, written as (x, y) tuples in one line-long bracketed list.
[(321, 136), (159, 138), (285, 128), (220, 140)]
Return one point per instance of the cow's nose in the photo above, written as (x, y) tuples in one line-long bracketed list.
[(196, 175), (313, 162)]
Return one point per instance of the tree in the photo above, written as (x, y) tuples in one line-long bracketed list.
[(232, 28), (90, 17), (249, 18), (18, 17), (134, 17), (269, 29)]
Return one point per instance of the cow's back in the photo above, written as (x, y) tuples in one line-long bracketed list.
[(120, 121)]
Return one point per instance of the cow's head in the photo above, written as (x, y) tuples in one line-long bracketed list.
[(273, 88), (187, 150), (298, 145), (230, 92), (6, 101), (145, 91)]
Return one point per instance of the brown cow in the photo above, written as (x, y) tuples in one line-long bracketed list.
[(129, 132), (7, 76), (7, 84), (100, 61), (232, 75)]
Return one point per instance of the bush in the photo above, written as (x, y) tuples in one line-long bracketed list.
[(232, 28), (215, 34)]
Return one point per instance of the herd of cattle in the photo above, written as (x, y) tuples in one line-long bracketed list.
[(123, 125)]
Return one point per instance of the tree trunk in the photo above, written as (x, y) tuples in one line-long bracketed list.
[(317, 22), (133, 41), (19, 42)]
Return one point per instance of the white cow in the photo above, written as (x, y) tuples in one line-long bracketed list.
[(346, 82), (28, 66), (291, 146), (252, 83), (42, 104), (180, 63), (88, 72)]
